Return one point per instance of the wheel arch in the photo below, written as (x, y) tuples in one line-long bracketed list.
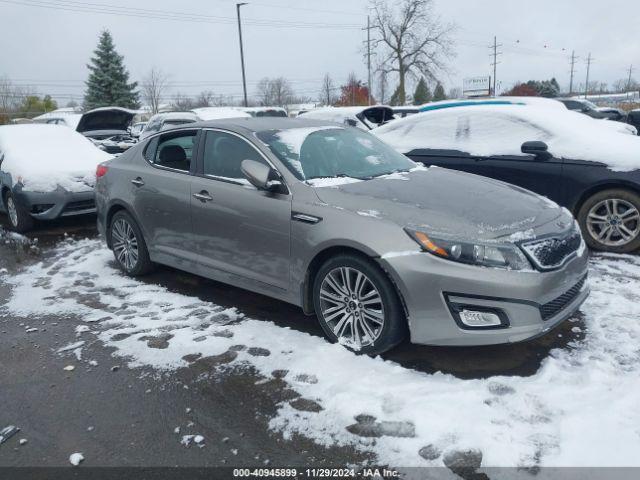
[(322, 256), (600, 187), (114, 208)]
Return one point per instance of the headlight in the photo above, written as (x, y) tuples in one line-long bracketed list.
[(472, 252)]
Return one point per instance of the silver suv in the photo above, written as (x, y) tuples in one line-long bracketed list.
[(333, 220)]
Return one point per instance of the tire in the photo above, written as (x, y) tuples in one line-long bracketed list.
[(610, 221), (128, 245), (336, 316), (19, 219)]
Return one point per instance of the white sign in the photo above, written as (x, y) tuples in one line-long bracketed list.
[(476, 86)]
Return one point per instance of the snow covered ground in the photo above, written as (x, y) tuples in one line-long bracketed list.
[(580, 408)]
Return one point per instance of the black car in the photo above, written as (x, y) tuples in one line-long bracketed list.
[(599, 183), (585, 106)]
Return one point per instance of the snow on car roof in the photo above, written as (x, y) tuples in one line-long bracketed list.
[(502, 129), (175, 116), (215, 113), (43, 157)]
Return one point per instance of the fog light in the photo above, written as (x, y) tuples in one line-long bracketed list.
[(476, 318)]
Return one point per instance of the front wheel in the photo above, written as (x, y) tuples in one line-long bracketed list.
[(128, 245), (610, 221), (358, 306), (19, 219)]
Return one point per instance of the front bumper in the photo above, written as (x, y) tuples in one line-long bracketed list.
[(56, 204), (533, 302)]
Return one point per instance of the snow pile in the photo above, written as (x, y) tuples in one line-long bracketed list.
[(579, 409), (502, 129), (45, 157)]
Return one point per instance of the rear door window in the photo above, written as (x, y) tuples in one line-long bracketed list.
[(175, 151)]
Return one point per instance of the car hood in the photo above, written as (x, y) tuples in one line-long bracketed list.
[(453, 203), (105, 118)]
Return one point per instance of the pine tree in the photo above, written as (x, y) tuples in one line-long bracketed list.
[(395, 98), (422, 93), (438, 93), (108, 82)]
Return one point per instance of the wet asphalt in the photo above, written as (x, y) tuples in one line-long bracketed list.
[(118, 416)]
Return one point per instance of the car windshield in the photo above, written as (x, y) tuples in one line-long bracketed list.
[(331, 152)]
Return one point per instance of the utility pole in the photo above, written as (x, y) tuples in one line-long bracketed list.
[(629, 81), (244, 78), (586, 86), (495, 63), (573, 65), (368, 29)]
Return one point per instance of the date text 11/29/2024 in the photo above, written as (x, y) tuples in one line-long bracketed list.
[(292, 473)]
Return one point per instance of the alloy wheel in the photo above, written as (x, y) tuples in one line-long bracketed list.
[(352, 306), (12, 211), (613, 222), (125, 244)]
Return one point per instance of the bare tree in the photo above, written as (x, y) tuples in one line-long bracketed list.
[(413, 39), (154, 86), (275, 92), (327, 95), (11, 98)]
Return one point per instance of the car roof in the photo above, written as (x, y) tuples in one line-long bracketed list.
[(259, 124)]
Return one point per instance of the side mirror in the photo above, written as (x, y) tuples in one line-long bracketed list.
[(539, 149), (259, 175)]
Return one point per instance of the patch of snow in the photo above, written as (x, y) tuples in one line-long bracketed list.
[(71, 346), (218, 113), (578, 409), (75, 459), (331, 181), (369, 213), (522, 235), (45, 157), (23, 441), (82, 329), (31, 330)]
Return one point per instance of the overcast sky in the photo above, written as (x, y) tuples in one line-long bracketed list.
[(48, 48)]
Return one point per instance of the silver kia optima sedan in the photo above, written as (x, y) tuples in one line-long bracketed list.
[(329, 218)]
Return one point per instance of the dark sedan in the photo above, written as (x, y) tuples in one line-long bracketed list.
[(574, 160)]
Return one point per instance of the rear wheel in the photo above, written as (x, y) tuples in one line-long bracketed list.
[(610, 221), (19, 218), (128, 245), (358, 306)]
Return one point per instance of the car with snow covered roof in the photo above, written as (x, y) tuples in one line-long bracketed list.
[(563, 155), (365, 118), (46, 172), (329, 218), (162, 121)]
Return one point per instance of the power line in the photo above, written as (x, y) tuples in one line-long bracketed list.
[(83, 7)]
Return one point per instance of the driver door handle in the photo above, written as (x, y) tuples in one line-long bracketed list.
[(203, 196), (137, 182)]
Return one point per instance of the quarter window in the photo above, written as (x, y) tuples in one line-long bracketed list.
[(175, 151), (224, 153)]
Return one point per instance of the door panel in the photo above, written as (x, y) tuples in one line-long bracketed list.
[(242, 230), (237, 228), (162, 191), (453, 160)]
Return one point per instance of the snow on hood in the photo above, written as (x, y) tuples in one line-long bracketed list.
[(502, 129), (45, 157)]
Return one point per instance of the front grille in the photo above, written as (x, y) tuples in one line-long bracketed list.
[(80, 205), (551, 253), (555, 306)]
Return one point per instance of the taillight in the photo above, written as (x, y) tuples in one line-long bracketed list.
[(101, 170)]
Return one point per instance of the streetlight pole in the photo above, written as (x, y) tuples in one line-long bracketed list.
[(244, 78)]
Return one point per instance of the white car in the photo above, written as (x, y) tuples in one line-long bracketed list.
[(162, 121), (46, 172), (365, 118)]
